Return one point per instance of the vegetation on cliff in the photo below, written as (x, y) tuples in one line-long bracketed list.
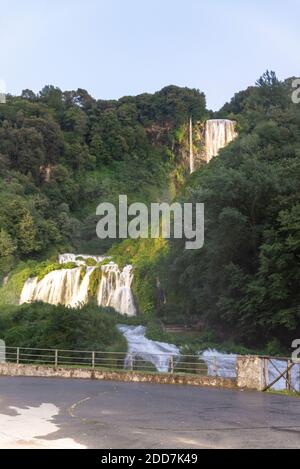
[(61, 154), (245, 281)]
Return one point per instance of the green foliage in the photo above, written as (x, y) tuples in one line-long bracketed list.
[(7, 250), (28, 235), (41, 325), (42, 269), (63, 153), (245, 281), (90, 262), (11, 290), (95, 280)]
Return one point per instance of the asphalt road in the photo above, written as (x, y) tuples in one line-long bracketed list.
[(111, 415)]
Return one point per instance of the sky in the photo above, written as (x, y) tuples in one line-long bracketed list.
[(114, 48)]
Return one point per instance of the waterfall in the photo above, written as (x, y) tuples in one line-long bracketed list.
[(81, 295), (115, 289), (157, 353), (58, 287), (218, 363), (28, 290), (69, 288), (218, 134)]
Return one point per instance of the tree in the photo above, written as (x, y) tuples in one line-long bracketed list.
[(52, 137), (52, 96), (268, 79), (244, 282), (75, 120), (28, 236), (25, 149), (7, 250), (29, 95)]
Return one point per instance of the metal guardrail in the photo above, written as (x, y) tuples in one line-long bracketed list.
[(130, 361), (280, 372)]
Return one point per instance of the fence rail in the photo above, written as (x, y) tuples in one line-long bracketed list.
[(130, 361), (278, 372)]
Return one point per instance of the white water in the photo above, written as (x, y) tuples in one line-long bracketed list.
[(115, 289), (58, 287), (81, 295), (67, 287), (218, 134), (157, 353), (218, 364)]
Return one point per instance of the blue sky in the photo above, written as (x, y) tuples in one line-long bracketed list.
[(114, 48)]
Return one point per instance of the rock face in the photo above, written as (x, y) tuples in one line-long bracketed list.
[(218, 134), (71, 287)]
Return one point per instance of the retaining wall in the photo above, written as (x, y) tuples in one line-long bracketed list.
[(11, 369)]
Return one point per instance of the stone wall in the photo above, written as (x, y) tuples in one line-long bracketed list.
[(252, 372), (11, 369)]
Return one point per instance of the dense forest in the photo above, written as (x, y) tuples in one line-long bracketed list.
[(62, 153), (245, 281)]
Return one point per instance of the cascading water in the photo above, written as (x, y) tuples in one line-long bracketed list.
[(63, 286), (157, 353), (115, 289), (82, 294), (70, 287), (218, 134)]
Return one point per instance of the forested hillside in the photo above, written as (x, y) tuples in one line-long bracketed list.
[(62, 153), (244, 283)]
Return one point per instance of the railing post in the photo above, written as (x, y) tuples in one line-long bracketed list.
[(171, 364), (265, 372), (215, 366), (131, 362), (93, 360), (18, 355), (289, 375), (56, 357)]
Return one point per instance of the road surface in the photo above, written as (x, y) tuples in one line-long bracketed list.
[(65, 413)]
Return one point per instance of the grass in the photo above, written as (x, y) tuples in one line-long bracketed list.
[(284, 393)]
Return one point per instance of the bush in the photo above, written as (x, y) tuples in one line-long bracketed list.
[(40, 325), (43, 269)]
